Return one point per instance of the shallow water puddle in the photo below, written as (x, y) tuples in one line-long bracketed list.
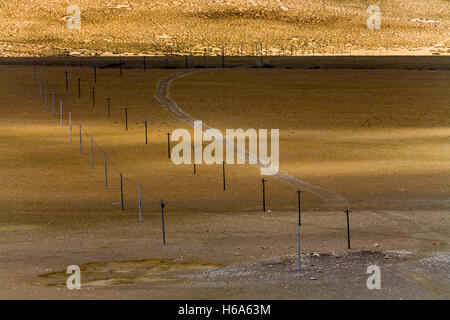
[(128, 272)]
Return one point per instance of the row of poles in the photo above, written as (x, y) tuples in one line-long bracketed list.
[(162, 205), (46, 90), (257, 51)]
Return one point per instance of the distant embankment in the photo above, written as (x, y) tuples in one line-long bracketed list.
[(297, 62)]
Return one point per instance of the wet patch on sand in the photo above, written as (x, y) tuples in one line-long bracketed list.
[(129, 272)]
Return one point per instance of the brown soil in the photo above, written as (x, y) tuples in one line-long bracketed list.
[(378, 138)]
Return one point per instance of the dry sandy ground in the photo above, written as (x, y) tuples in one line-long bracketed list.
[(108, 27), (378, 138)]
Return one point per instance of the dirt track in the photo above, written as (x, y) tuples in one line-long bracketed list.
[(162, 96)]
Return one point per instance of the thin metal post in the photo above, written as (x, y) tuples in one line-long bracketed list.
[(67, 81), (92, 153), (193, 153), (264, 194), (298, 247), (35, 76), (94, 65), (120, 62), (121, 192), (106, 171), (168, 145), (79, 87), (348, 227), (223, 57), (93, 96), (70, 125), (140, 204), (223, 174), (126, 119), (61, 112), (109, 107), (53, 102), (46, 93), (162, 220), (81, 148), (299, 207), (146, 140)]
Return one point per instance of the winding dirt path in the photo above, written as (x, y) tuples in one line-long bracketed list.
[(162, 95)]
